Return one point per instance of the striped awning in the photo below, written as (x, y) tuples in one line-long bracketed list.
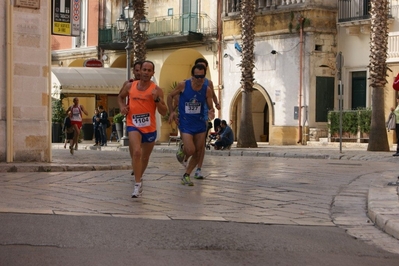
[(93, 80)]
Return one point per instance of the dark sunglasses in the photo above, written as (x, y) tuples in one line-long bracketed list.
[(199, 76)]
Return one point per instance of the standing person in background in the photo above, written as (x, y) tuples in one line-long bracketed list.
[(102, 119), (96, 126), (194, 95), (145, 98), (76, 119), (396, 112)]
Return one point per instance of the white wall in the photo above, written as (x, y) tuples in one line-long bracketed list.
[(278, 74)]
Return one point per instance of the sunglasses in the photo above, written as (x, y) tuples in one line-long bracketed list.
[(199, 76)]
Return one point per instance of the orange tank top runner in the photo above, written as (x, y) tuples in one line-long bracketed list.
[(142, 109)]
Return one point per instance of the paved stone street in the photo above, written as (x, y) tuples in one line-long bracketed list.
[(245, 189)]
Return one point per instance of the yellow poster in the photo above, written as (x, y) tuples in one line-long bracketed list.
[(61, 28)]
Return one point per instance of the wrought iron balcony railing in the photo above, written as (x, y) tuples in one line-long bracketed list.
[(233, 6), (165, 26), (352, 10)]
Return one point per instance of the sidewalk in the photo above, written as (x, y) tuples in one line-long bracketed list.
[(382, 201)]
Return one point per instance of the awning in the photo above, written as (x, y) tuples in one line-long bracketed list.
[(93, 80)]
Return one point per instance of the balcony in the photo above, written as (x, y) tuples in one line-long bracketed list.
[(164, 31), (356, 10), (393, 47), (232, 7)]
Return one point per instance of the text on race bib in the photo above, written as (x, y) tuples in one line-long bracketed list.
[(192, 108), (141, 120)]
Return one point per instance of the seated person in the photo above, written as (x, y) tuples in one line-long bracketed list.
[(225, 138)]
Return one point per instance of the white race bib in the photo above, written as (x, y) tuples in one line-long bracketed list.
[(141, 120), (192, 108)]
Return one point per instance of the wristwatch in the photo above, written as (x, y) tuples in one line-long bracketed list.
[(157, 100)]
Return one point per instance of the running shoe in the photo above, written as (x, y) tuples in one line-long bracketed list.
[(71, 149), (198, 175), (180, 153), (138, 190), (185, 180)]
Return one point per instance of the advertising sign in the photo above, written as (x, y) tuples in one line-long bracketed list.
[(66, 17), (93, 63)]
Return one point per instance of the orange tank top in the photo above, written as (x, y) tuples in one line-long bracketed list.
[(142, 109)]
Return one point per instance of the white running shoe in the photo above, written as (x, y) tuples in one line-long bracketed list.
[(197, 174), (138, 190)]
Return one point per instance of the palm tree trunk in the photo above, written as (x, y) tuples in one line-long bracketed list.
[(139, 38), (246, 136), (378, 140)]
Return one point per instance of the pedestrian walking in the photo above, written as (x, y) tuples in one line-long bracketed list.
[(194, 95), (145, 98)]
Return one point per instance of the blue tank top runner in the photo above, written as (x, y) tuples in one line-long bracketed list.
[(191, 109)]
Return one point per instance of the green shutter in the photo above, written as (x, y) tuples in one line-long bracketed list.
[(324, 97)]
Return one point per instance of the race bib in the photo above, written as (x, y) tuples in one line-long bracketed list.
[(193, 108), (141, 120)]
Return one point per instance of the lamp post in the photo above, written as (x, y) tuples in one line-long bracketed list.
[(125, 24)]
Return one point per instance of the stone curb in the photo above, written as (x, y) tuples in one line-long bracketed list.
[(383, 206)]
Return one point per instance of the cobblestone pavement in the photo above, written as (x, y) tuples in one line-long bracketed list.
[(306, 186)]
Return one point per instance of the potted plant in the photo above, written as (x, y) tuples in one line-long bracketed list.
[(58, 116), (365, 122), (118, 120)]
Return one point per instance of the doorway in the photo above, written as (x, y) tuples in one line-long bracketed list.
[(359, 89)]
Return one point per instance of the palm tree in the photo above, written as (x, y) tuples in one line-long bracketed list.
[(139, 38), (378, 140), (246, 136)]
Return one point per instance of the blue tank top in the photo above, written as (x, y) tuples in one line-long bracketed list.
[(191, 109)]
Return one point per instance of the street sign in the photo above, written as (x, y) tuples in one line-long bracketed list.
[(66, 17)]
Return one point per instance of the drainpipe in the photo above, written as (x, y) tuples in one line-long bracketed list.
[(219, 40), (49, 89), (9, 85), (301, 19)]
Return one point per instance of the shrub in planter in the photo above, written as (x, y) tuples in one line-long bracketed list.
[(118, 118), (365, 120), (350, 122), (333, 126), (58, 116)]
